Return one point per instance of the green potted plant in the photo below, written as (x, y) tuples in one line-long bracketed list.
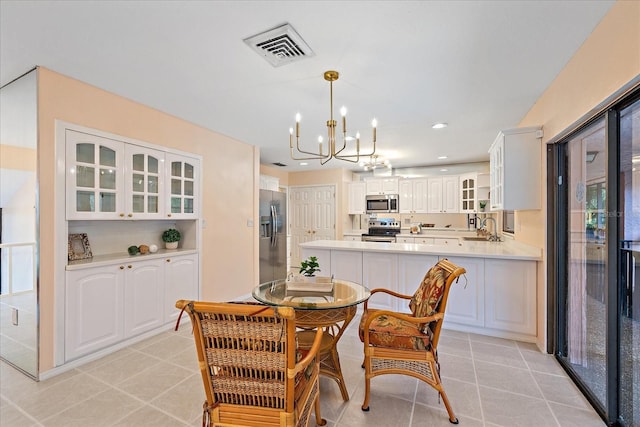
[(482, 203), (309, 266), (171, 237)]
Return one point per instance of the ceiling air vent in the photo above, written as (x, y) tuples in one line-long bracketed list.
[(280, 45), (279, 164)]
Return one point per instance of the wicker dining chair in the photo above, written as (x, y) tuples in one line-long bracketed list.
[(398, 343), (253, 373)]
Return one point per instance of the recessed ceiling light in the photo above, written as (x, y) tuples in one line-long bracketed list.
[(304, 164), (439, 125), (442, 157), (444, 170)]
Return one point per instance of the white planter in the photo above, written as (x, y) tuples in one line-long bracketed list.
[(171, 245)]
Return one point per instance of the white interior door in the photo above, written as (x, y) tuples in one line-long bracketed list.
[(312, 216)]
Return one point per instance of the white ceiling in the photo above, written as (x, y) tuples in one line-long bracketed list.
[(477, 65)]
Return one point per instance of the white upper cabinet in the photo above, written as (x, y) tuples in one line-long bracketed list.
[(182, 195), (443, 194), (357, 195), (377, 186), (474, 188), (271, 183), (515, 158), (94, 177), (144, 182), (413, 195), (108, 179)]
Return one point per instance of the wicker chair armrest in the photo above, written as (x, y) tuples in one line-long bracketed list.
[(386, 291), (313, 351)]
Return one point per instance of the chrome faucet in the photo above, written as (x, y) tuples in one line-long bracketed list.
[(493, 237)]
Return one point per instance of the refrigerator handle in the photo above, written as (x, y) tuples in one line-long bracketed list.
[(274, 217)]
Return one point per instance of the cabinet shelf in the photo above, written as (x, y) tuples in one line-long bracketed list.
[(115, 258)]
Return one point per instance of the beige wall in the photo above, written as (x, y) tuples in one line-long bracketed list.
[(229, 169), (607, 61), (18, 158)]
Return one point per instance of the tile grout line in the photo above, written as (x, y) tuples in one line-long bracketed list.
[(475, 374), (546, 401)]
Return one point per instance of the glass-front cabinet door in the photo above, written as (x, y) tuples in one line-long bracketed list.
[(144, 182), (183, 174), (94, 177)]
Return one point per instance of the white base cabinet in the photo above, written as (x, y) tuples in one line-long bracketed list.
[(510, 296), (94, 310), (380, 270), (181, 282), (108, 304), (143, 296), (495, 297), (466, 298)]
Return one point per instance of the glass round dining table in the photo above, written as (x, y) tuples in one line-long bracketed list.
[(311, 296), (318, 306)]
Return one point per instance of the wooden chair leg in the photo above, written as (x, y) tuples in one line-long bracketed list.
[(319, 420), (367, 382)]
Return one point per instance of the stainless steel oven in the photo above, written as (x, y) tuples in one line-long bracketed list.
[(382, 230), (374, 238), (386, 203)]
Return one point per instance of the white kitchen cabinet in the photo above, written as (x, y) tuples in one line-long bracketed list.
[(411, 271), (144, 182), (465, 305), (357, 196), (443, 194), (447, 241), (515, 162), (413, 195), (143, 296), (405, 239), (424, 240), (94, 307), (108, 179), (510, 295), (474, 187), (181, 282), (94, 177), (376, 186), (346, 265), (351, 238), (271, 183), (380, 270), (183, 175)]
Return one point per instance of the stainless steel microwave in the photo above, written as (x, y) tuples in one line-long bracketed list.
[(387, 203)]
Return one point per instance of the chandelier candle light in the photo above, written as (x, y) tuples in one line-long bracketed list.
[(331, 76)]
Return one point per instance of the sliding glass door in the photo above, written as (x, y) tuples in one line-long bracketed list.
[(595, 248), (584, 308), (629, 387)]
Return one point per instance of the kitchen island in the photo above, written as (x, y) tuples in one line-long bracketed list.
[(496, 297)]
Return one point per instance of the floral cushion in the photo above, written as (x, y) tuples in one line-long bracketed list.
[(427, 298), (389, 331)]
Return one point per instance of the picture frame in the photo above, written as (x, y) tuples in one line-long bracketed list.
[(79, 247)]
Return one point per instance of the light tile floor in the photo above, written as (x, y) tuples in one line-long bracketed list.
[(490, 382)]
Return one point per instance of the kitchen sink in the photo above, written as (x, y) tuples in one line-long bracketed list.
[(476, 239)]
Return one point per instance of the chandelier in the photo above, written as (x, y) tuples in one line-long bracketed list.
[(332, 150), (375, 162)]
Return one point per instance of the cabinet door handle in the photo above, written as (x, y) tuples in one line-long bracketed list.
[(122, 215), (169, 260), (130, 215), (169, 215), (122, 267), (129, 266)]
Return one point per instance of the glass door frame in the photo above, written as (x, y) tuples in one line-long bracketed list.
[(557, 250)]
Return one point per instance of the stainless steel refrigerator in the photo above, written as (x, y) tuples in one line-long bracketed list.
[(273, 236)]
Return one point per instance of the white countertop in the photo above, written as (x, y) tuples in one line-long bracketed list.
[(508, 249)]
